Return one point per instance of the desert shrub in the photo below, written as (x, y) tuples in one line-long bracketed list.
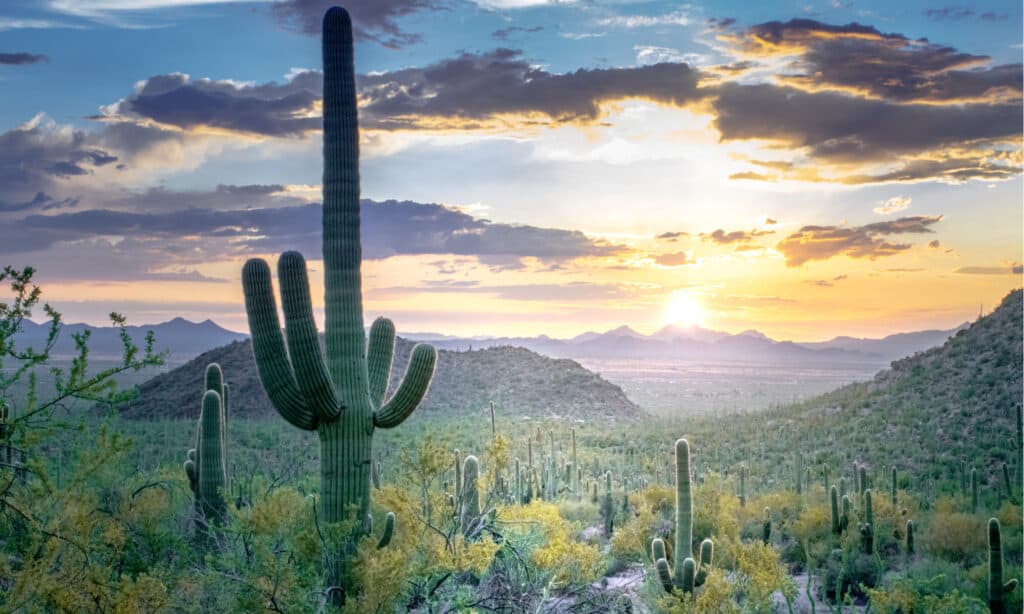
[(759, 574), (568, 561), (956, 536)]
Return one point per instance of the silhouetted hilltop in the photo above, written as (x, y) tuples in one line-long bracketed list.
[(519, 382)]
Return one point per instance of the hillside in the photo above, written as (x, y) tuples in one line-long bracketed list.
[(520, 382), (925, 414)]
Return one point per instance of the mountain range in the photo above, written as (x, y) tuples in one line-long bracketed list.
[(696, 343), (180, 338), (184, 340)]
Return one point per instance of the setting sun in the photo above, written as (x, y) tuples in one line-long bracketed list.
[(683, 309)]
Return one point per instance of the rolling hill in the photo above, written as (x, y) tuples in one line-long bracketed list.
[(519, 381)]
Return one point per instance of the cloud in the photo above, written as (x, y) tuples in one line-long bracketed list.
[(675, 18), (722, 237), (673, 259), (892, 205), (38, 155), (21, 58), (270, 109), (504, 33), (959, 13), (158, 235), (825, 283), (372, 20), (471, 90), (41, 201), (1013, 269), (824, 242), (860, 60), (672, 235), (572, 291), (845, 139)]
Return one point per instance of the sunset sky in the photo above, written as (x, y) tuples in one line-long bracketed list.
[(806, 169)]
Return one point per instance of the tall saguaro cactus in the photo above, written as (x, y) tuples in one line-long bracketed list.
[(341, 396), (686, 573), (997, 589)]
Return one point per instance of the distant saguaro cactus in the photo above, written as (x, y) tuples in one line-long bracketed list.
[(206, 463), (910, 537), (340, 395), (470, 514), (834, 502)]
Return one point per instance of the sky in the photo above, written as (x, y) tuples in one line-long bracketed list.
[(805, 169)]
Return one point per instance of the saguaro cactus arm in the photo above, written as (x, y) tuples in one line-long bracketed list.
[(268, 347), (380, 352), (303, 343), (410, 392)]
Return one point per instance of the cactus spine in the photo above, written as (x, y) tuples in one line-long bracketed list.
[(997, 589), (340, 395), (206, 464)]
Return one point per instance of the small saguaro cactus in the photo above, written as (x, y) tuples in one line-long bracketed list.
[(862, 480), (974, 491), (743, 485), (892, 491), (844, 521), (470, 514), (608, 506), (910, 537), (684, 574), (766, 529), (206, 464), (834, 503), (867, 528), (341, 395), (997, 589)]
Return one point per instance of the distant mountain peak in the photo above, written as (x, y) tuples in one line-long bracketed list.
[(624, 331)]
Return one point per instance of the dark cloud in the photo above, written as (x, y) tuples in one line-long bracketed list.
[(953, 143), (271, 109), (372, 20), (572, 291), (185, 237), (673, 259), (672, 235), (21, 58), (41, 201), (1013, 269), (38, 155), (722, 237), (824, 242), (504, 33), (862, 60), (473, 88)]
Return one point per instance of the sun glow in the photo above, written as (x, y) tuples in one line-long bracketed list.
[(684, 310)]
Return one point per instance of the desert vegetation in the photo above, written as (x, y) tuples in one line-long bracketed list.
[(902, 494)]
